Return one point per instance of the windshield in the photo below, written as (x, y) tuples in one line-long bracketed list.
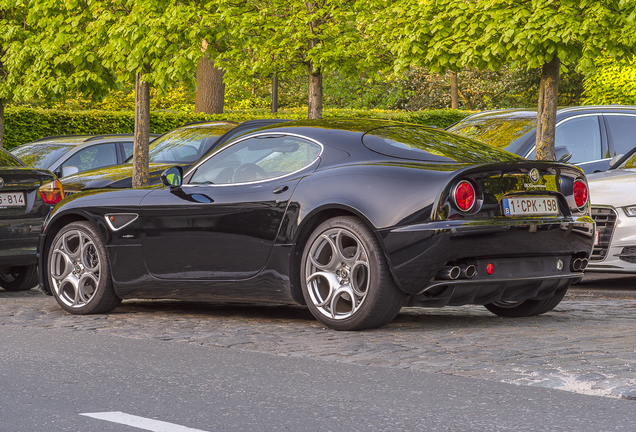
[(41, 155), (497, 131), (6, 160), (185, 145)]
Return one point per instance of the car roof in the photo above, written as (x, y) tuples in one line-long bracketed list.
[(74, 140), (561, 112)]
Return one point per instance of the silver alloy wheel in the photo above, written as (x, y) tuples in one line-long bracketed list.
[(338, 273), (75, 268)]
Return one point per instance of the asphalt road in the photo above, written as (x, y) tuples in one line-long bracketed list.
[(188, 367), (50, 376)]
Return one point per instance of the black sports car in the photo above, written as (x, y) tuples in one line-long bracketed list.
[(27, 195), (354, 218)]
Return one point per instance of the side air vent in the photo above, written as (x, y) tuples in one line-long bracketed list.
[(117, 221)]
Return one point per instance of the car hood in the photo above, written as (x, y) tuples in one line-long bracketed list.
[(614, 188), (119, 176)]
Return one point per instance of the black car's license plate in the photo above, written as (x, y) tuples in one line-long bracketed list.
[(530, 206), (12, 199)]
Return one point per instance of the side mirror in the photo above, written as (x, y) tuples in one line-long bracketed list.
[(172, 177), (615, 160), (562, 154), (68, 170)]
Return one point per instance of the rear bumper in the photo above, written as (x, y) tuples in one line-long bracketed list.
[(481, 292), (527, 250)]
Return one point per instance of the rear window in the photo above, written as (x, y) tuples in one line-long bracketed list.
[(427, 144), (6, 160), (500, 132), (41, 155)]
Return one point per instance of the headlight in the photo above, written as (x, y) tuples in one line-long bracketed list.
[(630, 211)]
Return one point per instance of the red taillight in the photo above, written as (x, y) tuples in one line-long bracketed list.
[(580, 193), (464, 195), (52, 192)]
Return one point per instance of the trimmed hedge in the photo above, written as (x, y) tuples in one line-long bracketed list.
[(24, 125)]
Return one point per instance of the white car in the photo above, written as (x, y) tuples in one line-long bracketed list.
[(613, 198)]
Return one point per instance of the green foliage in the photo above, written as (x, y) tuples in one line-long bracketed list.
[(488, 34), (296, 37), (612, 82), (27, 124)]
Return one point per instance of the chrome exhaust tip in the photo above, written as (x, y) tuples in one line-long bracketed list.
[(469, 271), (584, 263), (576, 264), (450, 272)]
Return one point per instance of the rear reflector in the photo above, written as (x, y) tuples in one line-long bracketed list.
[(52, 192), (490, 268)]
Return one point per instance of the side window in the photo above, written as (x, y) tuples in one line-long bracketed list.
[(98, 156), (258, 158), (128, 149), (622, 131), (582, 136)]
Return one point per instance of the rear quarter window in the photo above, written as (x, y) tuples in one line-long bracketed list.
[(432, 145)]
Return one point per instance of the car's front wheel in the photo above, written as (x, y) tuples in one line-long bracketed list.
[(345, 278), (525, 308), (78, 271), (19, 278)]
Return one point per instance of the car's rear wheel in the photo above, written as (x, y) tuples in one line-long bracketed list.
[(345, 278), (19, 278), (78, 271), (525, 308)]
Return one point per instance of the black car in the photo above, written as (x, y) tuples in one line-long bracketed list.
[(592, 135), (26, 198), (182, 146), (66, 155), (354, 218)]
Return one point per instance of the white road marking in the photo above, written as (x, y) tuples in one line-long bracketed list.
[(140, 422)]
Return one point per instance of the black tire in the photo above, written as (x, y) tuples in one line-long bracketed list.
[(94, 292), (19, 278), (525, 308), (576, 280), (359, 267)]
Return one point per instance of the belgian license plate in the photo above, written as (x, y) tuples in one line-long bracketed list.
[(12, 199), (530, 206)]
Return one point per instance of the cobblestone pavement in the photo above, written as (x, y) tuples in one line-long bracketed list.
[(586, 345)]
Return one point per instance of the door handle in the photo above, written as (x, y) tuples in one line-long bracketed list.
[(280, 189)]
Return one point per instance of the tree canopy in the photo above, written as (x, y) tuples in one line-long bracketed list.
[(450, 34), (299, 36)]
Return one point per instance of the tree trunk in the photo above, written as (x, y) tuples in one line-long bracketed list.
[(142, 133), (546, 110), (1, 123), (275, 93), (454, 92), (210, 87), (315, 93)]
